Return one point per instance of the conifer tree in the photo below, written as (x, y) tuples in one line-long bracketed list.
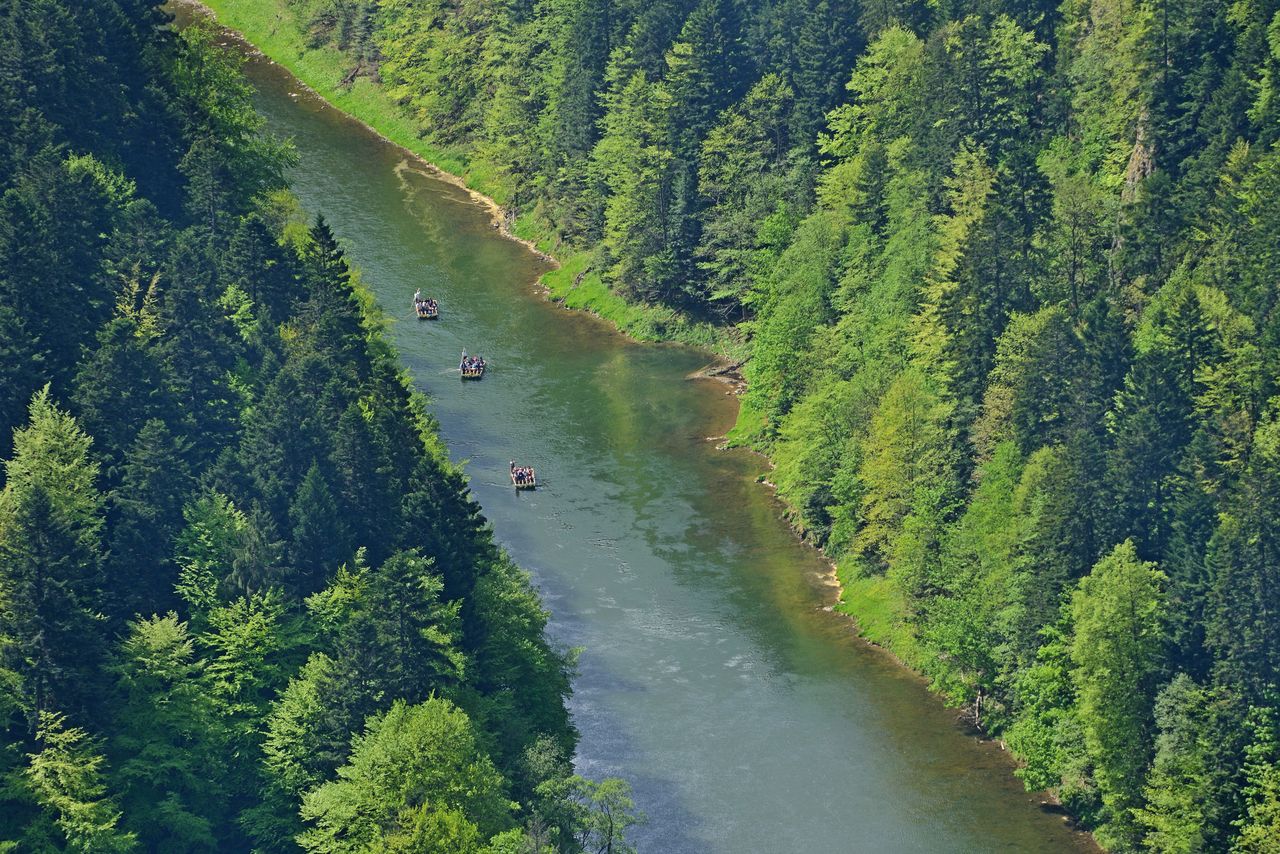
[(169, 768), (1241, 627), (67, 777), (1179, 787), (121, 386), (145, 512), (633, 159), (51, 564), (319, 543)]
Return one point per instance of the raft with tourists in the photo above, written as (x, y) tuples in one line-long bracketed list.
[(426, 308), (523, 477), (471, 367)]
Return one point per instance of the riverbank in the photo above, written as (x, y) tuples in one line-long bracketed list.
[(268, 27)]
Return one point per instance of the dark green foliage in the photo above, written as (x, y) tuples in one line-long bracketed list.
[(1006, 275), (121, 386), (320, 542), (145, 515), (53, 222), (243, 455)]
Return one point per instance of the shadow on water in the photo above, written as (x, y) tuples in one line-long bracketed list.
[(745, 714)]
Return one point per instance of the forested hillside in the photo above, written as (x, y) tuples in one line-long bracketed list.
[(246, 602), (1005, 273)]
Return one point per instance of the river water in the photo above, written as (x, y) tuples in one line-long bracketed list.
[(746, 715)]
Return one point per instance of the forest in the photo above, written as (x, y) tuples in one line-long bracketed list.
[(246, 600), (1002, 276)]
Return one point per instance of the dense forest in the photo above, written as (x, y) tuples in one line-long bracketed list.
[(246, 602), (1003, 274)]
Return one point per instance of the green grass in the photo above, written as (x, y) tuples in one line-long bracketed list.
[(749, 428), (879, 612), (270, 26)]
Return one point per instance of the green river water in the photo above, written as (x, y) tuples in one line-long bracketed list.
[(714, 676)]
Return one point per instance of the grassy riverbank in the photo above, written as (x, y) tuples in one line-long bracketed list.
[(270, 27)]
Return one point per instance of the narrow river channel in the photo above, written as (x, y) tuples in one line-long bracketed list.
[(746, 715)]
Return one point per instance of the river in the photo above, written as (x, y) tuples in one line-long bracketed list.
[(714, 677)]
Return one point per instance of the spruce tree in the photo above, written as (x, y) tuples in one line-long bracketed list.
[(319, 542), (145, 515), (51, 518)]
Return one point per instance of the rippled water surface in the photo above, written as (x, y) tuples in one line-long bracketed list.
[(746, 715)]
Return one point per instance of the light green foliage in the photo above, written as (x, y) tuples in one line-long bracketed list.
[(296, 749), (207, 551), (1118, 613), (1011, 62), (745, 178), (1028, 399), (1078, 242), (524, 678), (1109, 74), (52, 453), (609, 812), (416, 781), (794, 305), (168, 739), (50, 562), (907, 459), (430, 57), (230, 160), (67, 778), (943, 301), (975, 576), (249, 650), (1260, 833), (1260, 825), (1047, 717), (885, 88)]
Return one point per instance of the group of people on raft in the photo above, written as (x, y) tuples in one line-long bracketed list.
[(471, 364), (425, 306), (522, 475)]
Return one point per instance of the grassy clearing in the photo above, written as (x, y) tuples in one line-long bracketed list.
[(578, 286), (749, 429), (878, 610), (270, 26)]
